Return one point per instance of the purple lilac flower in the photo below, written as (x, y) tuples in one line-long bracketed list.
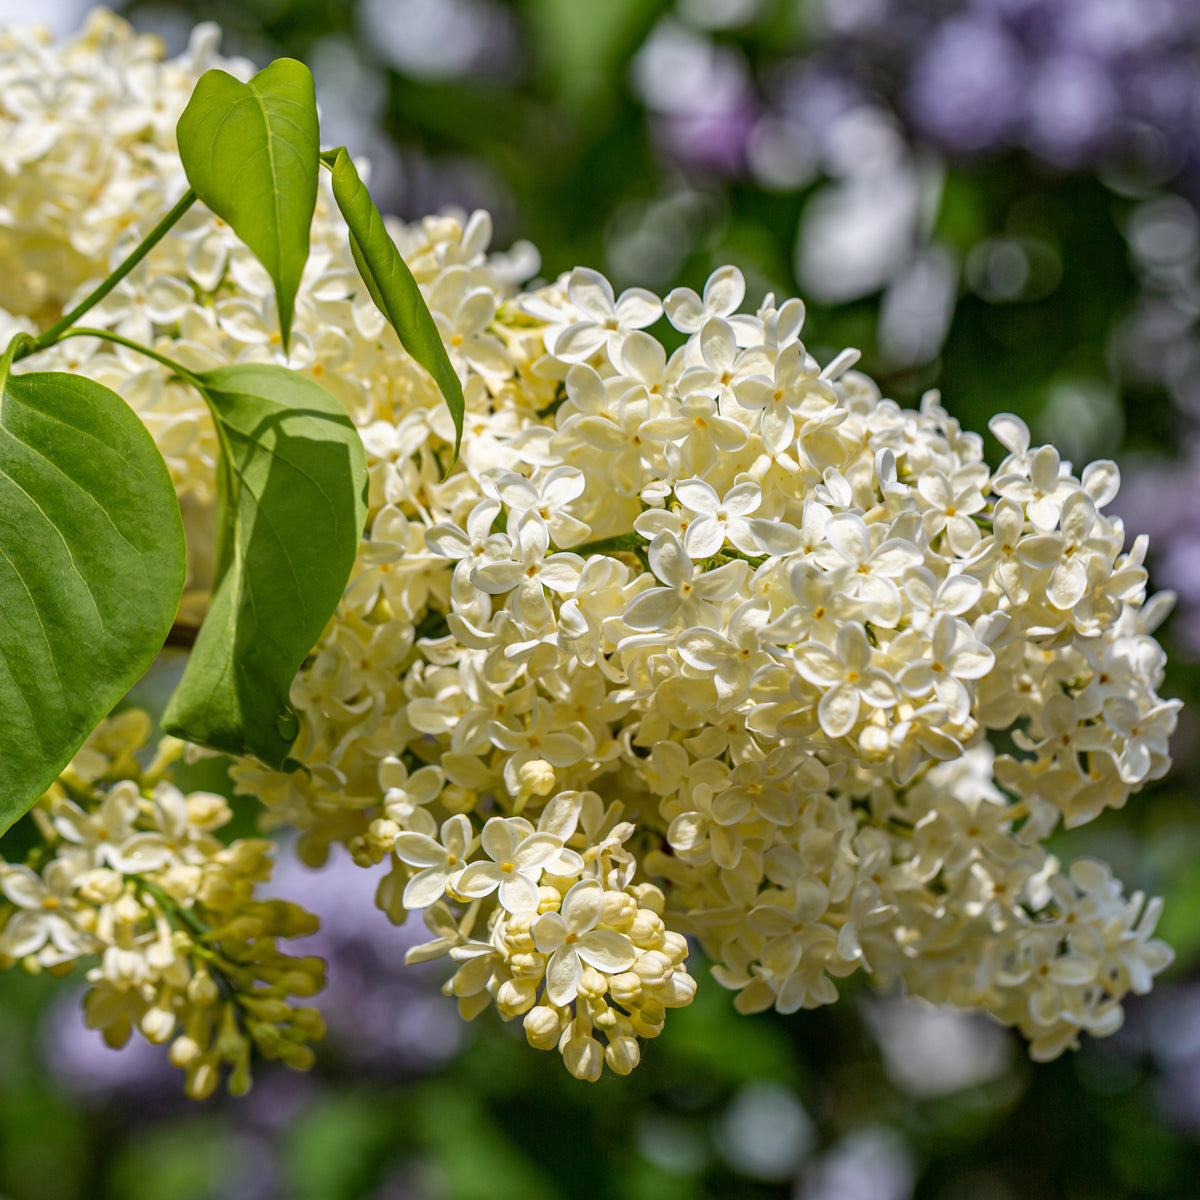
[(967, 85), (1070, 80), (700, 97)]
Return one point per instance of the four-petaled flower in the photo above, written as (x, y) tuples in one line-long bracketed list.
[(571, 939), (518, 858)]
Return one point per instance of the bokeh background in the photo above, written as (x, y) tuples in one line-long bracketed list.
[(994, 197)]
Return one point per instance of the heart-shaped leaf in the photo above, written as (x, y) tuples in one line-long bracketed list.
[(92, 565), (252, 154), (292, 502), (392, 286)]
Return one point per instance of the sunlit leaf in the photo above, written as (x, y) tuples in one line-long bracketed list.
[(251, 153), (92, 565), (292, 487), (393, 288)]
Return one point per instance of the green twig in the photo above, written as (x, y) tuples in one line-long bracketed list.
[(90, 301), (108, 336)]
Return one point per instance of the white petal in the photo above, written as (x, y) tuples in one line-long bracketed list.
[(518, 894), (838, 710), (579, 341), (583, 906), (685, 310), (549, 930), (606, 950), (563, 973), (419, 851), (724, 291), (704, 649), (425, 888), (636, 308), (591, 292), (478, 879), (539, 848)]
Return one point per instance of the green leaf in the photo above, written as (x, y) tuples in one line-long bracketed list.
[(393, 288), (92, 564), (292, 502), (252, 154)]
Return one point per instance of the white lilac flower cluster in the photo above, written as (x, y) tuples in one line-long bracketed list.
[(704, 643), (128, 872)]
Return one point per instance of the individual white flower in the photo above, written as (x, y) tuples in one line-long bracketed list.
[(794, 394), (1042, 491), (437, 861), (950, 503), (462, 314), (604, 321), (539, 742), (712, 518), (873, 570), (1145, 735), (176, 836), (1066, 554), (730, 660), (955, 595), (103, 831), (700, 432), (532, 571), (847, 677), (45, 921), (406, 796), (549, 500), (722, 366), (517, 858), (571, 939), (618, 436), (952, 659), (687, 596)]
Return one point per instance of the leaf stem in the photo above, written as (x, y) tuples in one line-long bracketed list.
[(108, 336), (11, 352), (90, 301)]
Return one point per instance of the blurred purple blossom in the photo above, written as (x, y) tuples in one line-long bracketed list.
[(379, 1011), (699, 95), (1073, 81), (967, 85), (1112, 84)]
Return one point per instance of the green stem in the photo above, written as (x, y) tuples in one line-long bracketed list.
[(11, 353), (108, 336), (729, 553), (172, 908), (90, 301), (609, 545)]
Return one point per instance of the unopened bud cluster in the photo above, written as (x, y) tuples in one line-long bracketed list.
[(130, 875)]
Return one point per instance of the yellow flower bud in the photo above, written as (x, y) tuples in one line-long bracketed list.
[(584, 1058), (622, 1054)]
